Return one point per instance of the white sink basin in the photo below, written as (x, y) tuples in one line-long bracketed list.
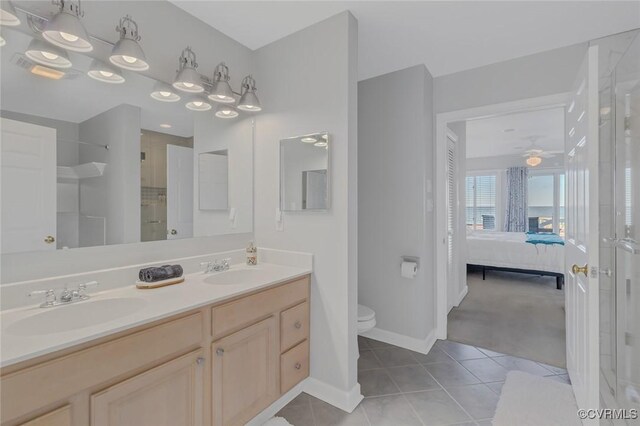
[(75, 316), (236, 276)]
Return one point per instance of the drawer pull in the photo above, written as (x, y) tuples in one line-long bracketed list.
[(298, 324), (298, 366), (200, 360), (219, 351)]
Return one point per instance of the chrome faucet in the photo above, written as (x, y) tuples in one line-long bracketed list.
[(66, 295), (216, 265)]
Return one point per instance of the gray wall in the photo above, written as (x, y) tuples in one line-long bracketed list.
[(308, 83), (542, 74), (395, 162)]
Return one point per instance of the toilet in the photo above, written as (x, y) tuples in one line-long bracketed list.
[(366, 319)]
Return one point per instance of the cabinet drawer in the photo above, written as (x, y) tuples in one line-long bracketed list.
[(59, 417), (242, 312), (294, 326), (26, 390), (294, 366)]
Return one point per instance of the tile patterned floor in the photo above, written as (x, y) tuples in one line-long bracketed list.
[(454, 384)]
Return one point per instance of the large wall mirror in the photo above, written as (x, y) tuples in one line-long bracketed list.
[(304, 172), (94, 154)]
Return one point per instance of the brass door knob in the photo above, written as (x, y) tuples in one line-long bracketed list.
[(577, 269), (49, 239)]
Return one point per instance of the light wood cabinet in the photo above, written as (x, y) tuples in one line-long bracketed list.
[(245, 373), (168, 395), (218, 365)]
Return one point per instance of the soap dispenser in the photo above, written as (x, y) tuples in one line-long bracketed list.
[(252, 254)]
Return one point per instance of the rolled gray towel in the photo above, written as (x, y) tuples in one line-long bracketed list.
[(160, 273)]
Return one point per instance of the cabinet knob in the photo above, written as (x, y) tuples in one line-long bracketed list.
[(200, 360), (49, 239), (173, 232), (298, 324), (298, 366), (219, 351)]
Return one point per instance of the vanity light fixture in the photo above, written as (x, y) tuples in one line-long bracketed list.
[(198, 104), (127, 53), (164, 93), (534, 161), (222, 91), (308, 139), (8, 14), (320, 144), (105, 73), (65, 29), (188, 79), (47, 54), (165, 126), (248, 100), (226, 111)]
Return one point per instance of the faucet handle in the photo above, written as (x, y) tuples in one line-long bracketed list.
[(50, 296), (206, 266), (82, 288), (226, 262)]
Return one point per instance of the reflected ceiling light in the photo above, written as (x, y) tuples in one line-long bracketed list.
[(47, 54), (188, 79), (65, 29), (8, 14), (226, 111), (320, 144), (2, 41), (127, 53), (47, 72), (222, 91), (534, 161), (249, 101), (164, 93), (105, 73), (309, 140), (198, 104), (165, 126)]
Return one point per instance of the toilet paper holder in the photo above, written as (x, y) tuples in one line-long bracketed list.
[(414, 259)]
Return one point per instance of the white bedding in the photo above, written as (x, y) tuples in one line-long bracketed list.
[(510, 250)]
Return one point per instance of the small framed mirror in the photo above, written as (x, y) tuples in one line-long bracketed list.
[(304, 172), (213, 178)]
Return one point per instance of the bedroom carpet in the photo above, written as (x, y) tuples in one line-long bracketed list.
[(515, 314)]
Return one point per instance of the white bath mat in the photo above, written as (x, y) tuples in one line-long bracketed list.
[(529, 400), (277, 421)]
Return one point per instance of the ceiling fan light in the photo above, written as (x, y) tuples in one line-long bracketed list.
[(8, 15), (65, 30), (164, 93), (226, 111), (105, 73), (47, 54), (534, 161), (198, 104)]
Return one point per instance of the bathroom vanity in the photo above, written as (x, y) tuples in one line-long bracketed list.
[(204, 352)]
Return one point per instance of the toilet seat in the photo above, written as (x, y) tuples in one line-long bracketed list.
[(366, 318)]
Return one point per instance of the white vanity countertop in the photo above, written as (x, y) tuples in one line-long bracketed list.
[(48, 333)]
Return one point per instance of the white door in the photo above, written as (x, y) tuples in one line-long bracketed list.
[(581, 249), (179, 192), (28, 187), (452, 207)]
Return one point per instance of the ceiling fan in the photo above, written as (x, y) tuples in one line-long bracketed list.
[(535, 154)]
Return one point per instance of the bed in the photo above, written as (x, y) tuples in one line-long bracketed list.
[(509, 251)]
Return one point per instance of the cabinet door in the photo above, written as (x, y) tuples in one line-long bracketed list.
[(168, 395), (59, 417), (245, 373)]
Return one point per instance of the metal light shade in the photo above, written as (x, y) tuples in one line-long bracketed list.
[(65, 30), (198, 104), (47, 54), (105, 73), (128, 54), (226, 111), (534, 161), (249, 102), (222, 93), (164, 93), (8, 14), (188, 80)]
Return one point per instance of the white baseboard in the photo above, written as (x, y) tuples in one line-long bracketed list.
[(418, 345), (462, 295), (271, 410), (346, 401)]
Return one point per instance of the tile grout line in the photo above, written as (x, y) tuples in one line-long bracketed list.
[(405, 398)]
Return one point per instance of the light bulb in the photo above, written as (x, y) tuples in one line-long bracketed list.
[(309, 140), (106, 73), (129, 59), (165, 94), (49, 55), (189, 85), (197, 103), (225, 112), (69, 37)]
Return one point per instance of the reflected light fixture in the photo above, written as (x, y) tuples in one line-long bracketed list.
[(65, 29), (226, 111), (47, 72), (198, 104), (165, 126), (320, 144), (249, 101), (222, 91), (308, 139), (164, 93), (2, 41), (47, 54), (127, 53), (188, 79), (8, 14), (534, 160), (105, 73)]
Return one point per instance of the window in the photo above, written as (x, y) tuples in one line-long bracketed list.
[(481, 201), (546, 203)]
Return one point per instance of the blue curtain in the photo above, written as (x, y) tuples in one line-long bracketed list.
[(517, 195)]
